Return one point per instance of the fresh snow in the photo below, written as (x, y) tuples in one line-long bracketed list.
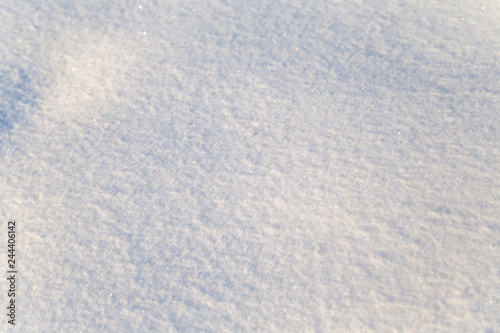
[(252, 166)]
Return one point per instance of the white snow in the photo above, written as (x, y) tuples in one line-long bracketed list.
[(241, 166)]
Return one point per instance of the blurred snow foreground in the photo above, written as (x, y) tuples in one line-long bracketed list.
[(240, 166)]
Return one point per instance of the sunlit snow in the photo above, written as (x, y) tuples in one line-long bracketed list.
[(252, 166)]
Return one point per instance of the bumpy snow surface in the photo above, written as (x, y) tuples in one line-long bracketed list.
[(251, 166)]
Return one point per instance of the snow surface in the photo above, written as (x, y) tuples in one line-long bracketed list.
[(240, 166)]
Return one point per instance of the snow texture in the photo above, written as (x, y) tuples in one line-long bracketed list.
[(252, 166)]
